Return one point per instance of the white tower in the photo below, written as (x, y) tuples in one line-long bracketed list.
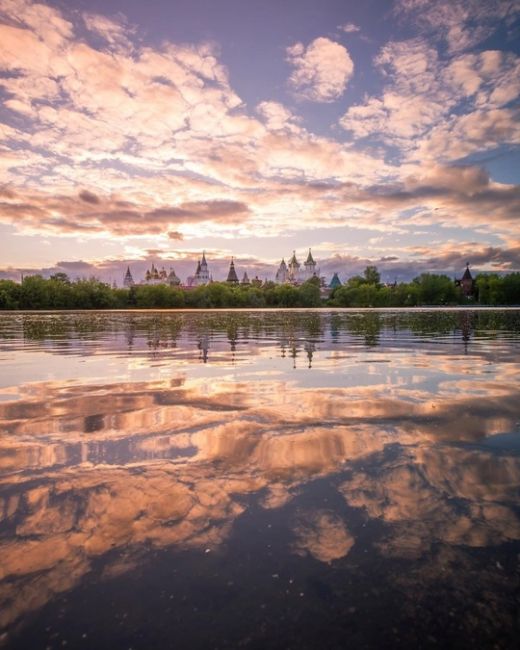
[(282, 273), (310, 266), (204, 272), (294, 268)]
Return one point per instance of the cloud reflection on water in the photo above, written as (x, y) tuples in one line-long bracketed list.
[(109, 469)]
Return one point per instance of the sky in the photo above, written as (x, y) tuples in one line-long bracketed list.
[(381, 132)]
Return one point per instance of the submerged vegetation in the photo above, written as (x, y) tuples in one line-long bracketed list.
[(59, 292)]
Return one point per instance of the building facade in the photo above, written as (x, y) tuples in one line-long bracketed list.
[(293, 273), (466, 283), (282, 274), (201, 276)]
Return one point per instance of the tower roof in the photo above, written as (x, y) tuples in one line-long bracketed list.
[(172, 277), (128, 280), (467, 275), (232, 275), (310, 259), (197, 272), (203, 262), (293, 261), (335, 282)]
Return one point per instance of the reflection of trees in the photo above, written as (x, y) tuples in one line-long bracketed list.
[(335, 327), (203, 346), (161, 332), (429, 323), (367, 325), (79, 486), (76, 332), (310, 348), (465, 324)]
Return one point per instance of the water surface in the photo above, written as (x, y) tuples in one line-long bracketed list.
[(260, 479)]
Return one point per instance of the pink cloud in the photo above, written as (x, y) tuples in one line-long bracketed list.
[(321, 70)]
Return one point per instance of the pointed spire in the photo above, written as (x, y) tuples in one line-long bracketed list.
[(128, 280), (294, 261), (310, 260), (128, 276), (232, 275), (281, 274), (203, 262)]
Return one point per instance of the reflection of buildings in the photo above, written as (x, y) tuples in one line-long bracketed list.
[(310, 349), (203, 346), (70, 502), (465, 326)]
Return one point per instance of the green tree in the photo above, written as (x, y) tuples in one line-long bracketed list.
[(9, 294), (34, 293), (160, 296), (309, 294), (372, 275), (60, 277), (436, 289), (511, 284)]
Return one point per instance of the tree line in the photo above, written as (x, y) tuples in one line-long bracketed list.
[(59, 292)]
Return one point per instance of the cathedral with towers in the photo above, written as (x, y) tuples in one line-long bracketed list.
[(288, 273), (201, 275), (293, 273)]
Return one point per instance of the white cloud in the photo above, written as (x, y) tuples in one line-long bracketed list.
[(321, 71), (277, 117), (461, 23), (115, 33), (349, 28), (432, 108), (147, 128)]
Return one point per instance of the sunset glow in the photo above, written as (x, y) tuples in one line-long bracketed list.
[(379, 133)]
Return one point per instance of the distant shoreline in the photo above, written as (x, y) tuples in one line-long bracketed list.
[(175, 310)]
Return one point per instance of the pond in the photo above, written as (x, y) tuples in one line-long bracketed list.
[(260, 479)]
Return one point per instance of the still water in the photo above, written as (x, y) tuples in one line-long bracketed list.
[(260, 480)]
